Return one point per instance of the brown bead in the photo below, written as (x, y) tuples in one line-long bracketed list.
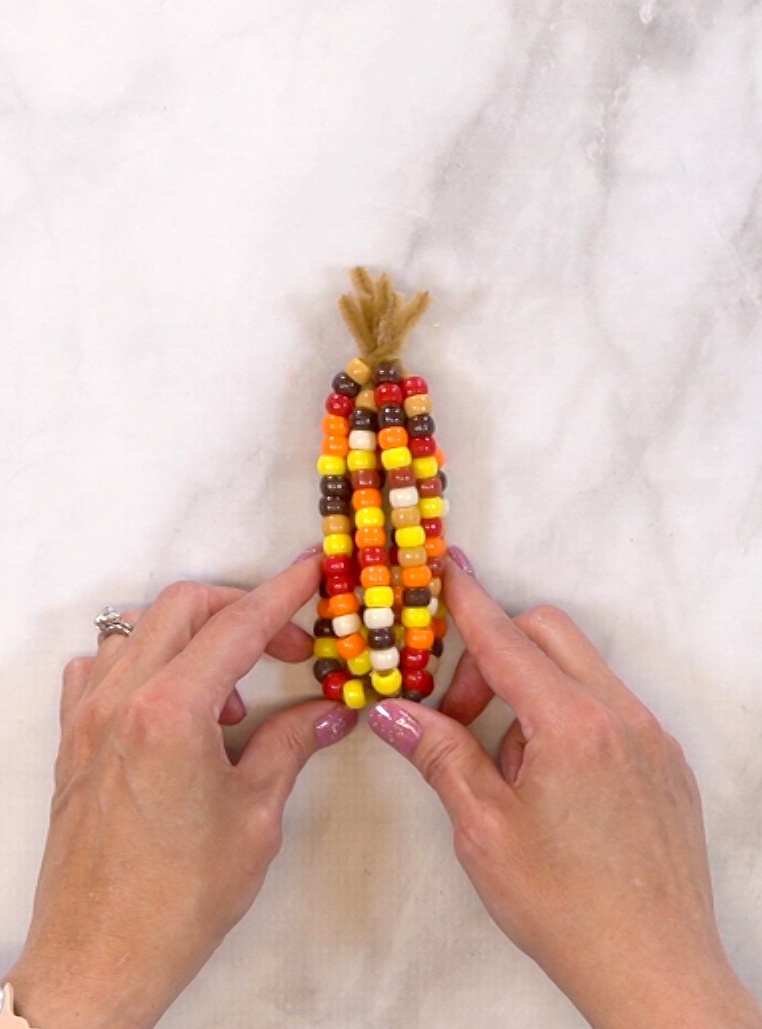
[(380, 639), (366, 478), (421, 425), (336, 523), (431, 487), (391, 414), (404, 516), (366, 398), (363, 418), (398, 477), (343, 383), (418, 404), (335, 486), (437, 647), (333, 505), (387, 371), (416, 596)]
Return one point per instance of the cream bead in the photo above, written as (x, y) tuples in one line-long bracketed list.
[(384, 660), (345, 625), (362, 439), (405, 496), (378, 617)]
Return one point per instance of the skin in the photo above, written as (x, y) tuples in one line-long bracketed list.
[(585, 840)]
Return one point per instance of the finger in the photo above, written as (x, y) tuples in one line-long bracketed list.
[(278, 750), (290, 644), (468, 694), (109, 647), (447, 755), (75, 677), (231, 642), (566, 645), (234, 710), (511, 754), (513, 666)]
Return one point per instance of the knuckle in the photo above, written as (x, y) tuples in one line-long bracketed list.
[(439, 759), (647, 725), (94, 713), (77, 668), (184, 591), (265, 828), (480, 832), (150, 713), (541, 617)]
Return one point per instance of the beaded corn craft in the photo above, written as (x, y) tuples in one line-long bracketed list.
[(381, 620)]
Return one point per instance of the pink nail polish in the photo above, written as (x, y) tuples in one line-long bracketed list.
[(461, 560), (334, 725), (395, 726), (308, 552)]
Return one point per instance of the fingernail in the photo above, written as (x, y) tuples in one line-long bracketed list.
[(395, 726), (308, 552), (334, 725), (513, 764), (461, 560)]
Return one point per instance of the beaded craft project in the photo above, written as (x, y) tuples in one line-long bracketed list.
[(381, 619)]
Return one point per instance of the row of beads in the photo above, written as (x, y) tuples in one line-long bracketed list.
[(395, 417)]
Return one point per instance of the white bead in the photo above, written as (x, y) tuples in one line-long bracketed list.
[(345, 625), (384, 660), (405, 496), (445, 507), (362, 439), (433, 605), (378, 617), (432, 664)]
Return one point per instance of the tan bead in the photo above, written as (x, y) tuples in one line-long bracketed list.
[(420, 403), (366, 398), (358, 370), (336, 523), (435, 587), (402, 517), (409, 556), (396, 576)]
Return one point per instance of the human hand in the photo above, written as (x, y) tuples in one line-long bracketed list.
[(585, 842), (158, 843)]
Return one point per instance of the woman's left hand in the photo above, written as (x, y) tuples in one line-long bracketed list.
[(158, 842)]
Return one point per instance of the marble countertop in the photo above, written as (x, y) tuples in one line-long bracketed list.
[(183, 187)]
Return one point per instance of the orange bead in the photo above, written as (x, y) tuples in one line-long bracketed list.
[(375, 575), (439, 627), (370, 536), (392, 436), (335, 425), (440, 456), (418, 575), (419, 639), (343, 604), (337, 446), (398, 595), (435, 546), (366, 498), (350, 646), (324, 608)]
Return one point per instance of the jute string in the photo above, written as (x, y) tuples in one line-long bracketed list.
[(380, 319)]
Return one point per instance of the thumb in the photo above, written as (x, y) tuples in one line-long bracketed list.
[(447, 755), (280, 747)]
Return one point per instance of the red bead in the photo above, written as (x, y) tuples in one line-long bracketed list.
[(388, 393), (432, 526), (413, 385), (336, 564), (393, 555), (413, 659), (336, 584), (398, 478), (431, 487), (338, 403), (367, 556), (437, 566), (422, 446), (417, 679), (333, 684), (366, 478)]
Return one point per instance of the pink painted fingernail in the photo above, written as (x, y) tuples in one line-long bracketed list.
[(308, 552), (334, 725), (395, 726), (461, 560)]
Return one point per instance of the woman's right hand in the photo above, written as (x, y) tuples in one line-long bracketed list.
[(585, 841)]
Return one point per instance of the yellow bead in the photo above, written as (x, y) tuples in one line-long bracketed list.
[(354, 693), (358, 370), (431, 507), (360, 459), (369, 517), (425, 467), (386, 683), (379, 596), (359, 665), (397, 457), (442, 609), (411, 536), (415, 617), (399, 636), (330, 464), (325, 646), (337, 543)]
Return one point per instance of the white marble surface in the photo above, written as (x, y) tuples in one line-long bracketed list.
[(182, 187)]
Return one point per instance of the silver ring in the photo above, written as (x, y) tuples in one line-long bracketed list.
[(110, 621)]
